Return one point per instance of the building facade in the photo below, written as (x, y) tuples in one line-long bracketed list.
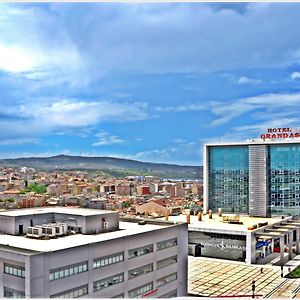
[(259, 178), (102, 258)]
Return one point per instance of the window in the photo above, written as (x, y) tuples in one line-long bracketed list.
[(108, 260), (106, 282), (171, 294), (166, 244), (119, 296), (166, 262), (73, 293), (140, 271), (140, 251), (68, 271), (14, 270), (140, 290), (166, 279), (11, 293)]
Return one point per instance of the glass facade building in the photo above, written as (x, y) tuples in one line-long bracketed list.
[(228, 170), (284, 179), (228, 177)]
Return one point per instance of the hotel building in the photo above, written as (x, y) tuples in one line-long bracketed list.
[(258, 177), (73, 252)]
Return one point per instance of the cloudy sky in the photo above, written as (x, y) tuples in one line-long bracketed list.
[(151, 82)]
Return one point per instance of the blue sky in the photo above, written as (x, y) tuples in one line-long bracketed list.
[(151, 82)]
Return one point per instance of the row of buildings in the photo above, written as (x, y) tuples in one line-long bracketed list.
[(250, 210)]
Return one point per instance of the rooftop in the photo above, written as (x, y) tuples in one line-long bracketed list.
[(256, 142), (126, 229), (216, 223), (61, 210)]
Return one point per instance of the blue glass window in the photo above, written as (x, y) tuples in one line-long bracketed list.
[(228, 178)]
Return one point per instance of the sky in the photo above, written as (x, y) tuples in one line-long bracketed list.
[(145, 81)]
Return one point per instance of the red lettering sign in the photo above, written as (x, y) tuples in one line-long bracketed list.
[(281, 133), (149, 293)]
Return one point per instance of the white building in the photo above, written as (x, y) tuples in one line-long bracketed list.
[(105, 258)]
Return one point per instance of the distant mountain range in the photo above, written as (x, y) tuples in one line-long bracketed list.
[(117, 167)]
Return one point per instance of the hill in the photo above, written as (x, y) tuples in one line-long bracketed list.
[(118, 167)]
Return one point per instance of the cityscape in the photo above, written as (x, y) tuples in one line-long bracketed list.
[(149, 150)]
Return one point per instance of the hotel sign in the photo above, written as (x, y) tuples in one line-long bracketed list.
[(281, 133)]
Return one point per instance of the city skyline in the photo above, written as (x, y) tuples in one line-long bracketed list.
[(149, 82)]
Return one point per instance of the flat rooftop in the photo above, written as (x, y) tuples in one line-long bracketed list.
[(60, 209), (256, 142), (126, 229), (216, 223)]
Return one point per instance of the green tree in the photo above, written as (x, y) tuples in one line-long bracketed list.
[(10, 200), (34, 187), (126, 204)]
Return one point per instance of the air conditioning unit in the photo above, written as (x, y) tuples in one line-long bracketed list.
[(64, 227), (34, 232), (59, 230), (48, 230)]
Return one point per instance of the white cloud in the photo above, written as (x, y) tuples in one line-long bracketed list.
[(144, 37), (21, 141), (106, 140), (62, 115), (246, 80), (178, 141), (263, 106), (295, 75), (172, 154), (185, 107), (29, 47)]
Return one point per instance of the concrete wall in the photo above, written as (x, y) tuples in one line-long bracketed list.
[(37, 219), (89, 224), (7, 225), (94, 223), (7, 280)]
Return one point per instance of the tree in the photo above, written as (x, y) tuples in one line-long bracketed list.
[(10, 200), (126, 204), (34, 187)]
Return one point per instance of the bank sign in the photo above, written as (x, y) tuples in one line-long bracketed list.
[(222, 246), (281, 133)]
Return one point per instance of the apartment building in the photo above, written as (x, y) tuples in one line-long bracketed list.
[(74, 252)]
